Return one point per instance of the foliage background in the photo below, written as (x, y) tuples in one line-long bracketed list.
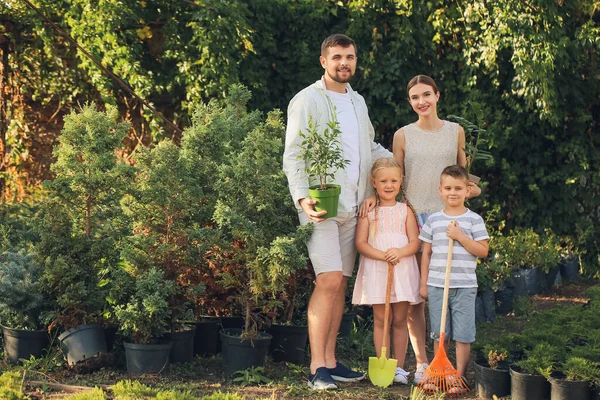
[(531, 66)]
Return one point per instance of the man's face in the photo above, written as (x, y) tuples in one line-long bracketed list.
[(339, 63)]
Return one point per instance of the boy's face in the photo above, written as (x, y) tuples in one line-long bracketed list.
[(454, 191)]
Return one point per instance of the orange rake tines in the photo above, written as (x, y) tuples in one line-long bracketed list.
[(441, 375)]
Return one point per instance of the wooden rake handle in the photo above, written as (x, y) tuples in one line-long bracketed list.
[(447, 285), (386, 316)]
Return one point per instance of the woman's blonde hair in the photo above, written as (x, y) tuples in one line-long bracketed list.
[(379, 164)]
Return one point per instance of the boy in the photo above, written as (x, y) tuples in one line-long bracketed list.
[(470, 241)]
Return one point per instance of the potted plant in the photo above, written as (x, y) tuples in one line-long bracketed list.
[(256, 230), (491, 372), (574, 379), (162, 205), (22, 307), (476, 137), (289, 328), (569, 263), (77, 238), (323, 155), (144, 320), (529, 376)]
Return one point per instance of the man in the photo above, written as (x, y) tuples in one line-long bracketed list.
[(331, 248)]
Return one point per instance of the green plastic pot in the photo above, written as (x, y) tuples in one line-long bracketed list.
[(327, 199)]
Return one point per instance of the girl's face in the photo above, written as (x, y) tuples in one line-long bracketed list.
[(423, 99), (387, 183)]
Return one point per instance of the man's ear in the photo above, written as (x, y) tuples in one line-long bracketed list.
[(322, 60)]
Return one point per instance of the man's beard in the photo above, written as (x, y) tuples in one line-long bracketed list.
[(337, 79)]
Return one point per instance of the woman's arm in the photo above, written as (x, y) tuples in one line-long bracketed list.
[(461, 159), (362, 244), (399, 146)]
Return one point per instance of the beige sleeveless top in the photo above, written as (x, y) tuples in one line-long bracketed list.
[(427, 153)]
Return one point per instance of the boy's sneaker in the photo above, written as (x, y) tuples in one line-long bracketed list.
[(321, 380), (401, 376), (344, 374), (420, 372), (460, 389)]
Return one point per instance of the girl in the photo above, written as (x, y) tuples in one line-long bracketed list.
[(388, 235), (424, 148)]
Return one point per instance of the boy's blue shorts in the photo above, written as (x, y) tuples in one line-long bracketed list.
[(460, 319)]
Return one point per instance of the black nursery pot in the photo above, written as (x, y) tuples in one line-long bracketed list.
[(183, 344), (207, 336), (83, 342), (346, 325), (569, 268), (20, 343), (568, 390), (504, 301), (229, 323), (240, 354), (288, 343), (147, 358), (528, 387), (491, 381)]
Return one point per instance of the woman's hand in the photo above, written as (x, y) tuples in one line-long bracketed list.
[(367, 205), (475, 190)]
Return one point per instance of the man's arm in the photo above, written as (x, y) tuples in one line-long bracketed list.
[(294, 167)]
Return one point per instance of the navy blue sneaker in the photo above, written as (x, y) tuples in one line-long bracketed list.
[(344, 374), (321, 380)]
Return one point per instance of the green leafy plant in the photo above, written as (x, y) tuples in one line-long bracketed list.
[(256, 223), (524, 248), (540, 360), (322, 151), (11, 386), (146, 316), (132, 390), (476, 138), (251, 376), (581, 369), (523, 305), (22, 304)]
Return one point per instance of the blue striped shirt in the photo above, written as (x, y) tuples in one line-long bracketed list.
[(463, 262)]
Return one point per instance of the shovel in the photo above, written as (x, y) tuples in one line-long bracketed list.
[(382, 370)]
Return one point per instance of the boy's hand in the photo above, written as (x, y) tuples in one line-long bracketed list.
[(393, 255), (423, 292), (453, 231)]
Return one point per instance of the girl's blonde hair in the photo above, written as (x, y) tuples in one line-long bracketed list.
[(379, 164)]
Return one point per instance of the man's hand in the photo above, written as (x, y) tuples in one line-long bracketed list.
[(367, 205), (453, 231), (307, 205)]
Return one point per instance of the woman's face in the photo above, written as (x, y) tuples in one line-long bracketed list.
[(423, 99)]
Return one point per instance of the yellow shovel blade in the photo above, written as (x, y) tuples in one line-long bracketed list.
[(382, 370)]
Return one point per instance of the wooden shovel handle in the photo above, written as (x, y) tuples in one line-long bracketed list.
[(447, 285), (386, 316)]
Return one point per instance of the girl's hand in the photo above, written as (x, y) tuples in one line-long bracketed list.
[(367, 205), (423, 292), (453, 231), (393, 255)]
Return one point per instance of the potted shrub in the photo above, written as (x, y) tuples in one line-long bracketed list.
[(144, 319), (22, 307), (77, 238), (323, 155), (491, 373), (476, 137), (256, 230), (574, 379), (569, 263), (529, 376), (289, 328)]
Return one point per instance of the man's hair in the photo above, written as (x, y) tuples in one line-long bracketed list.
[(336, 40), (421, 79), (456, 171)]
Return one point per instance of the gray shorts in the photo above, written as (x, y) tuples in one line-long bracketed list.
[(460, 320), (331, 247)]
